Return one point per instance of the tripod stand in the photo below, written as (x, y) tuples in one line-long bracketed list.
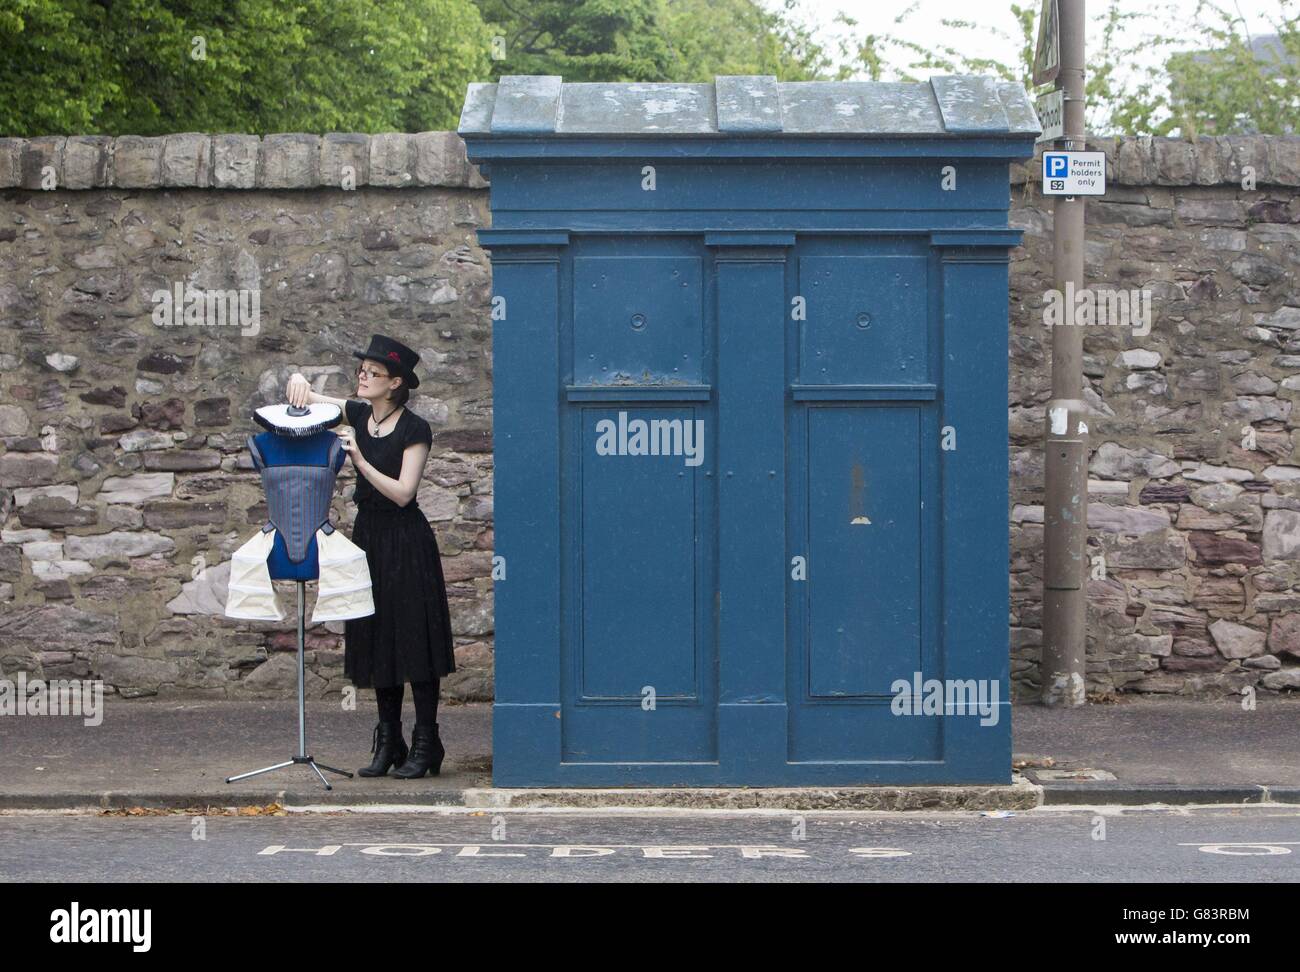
[(302, 756)]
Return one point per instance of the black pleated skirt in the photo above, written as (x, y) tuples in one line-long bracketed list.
[(408, 638)]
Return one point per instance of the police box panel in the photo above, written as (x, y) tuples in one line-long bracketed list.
[(639, 436), (864, 496)]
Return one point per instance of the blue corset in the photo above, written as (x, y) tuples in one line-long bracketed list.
[(298, 480)]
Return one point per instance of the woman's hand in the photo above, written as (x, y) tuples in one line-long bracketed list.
[(298, 391), (347, 435)]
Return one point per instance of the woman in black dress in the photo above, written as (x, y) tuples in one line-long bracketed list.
[(408, 638)]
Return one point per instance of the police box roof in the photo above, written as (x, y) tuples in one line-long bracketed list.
[(952, 105)]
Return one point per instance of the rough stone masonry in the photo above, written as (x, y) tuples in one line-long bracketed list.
[(125, 484)]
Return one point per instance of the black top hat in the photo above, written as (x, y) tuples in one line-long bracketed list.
[(400, 359)]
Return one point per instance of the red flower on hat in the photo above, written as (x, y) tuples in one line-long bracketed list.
[(394, 355)]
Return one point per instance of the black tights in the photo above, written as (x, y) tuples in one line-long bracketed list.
[(426, 702)]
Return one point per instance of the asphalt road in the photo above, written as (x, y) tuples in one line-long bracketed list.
[(1256, 844)]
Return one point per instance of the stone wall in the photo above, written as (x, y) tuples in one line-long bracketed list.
[(1194, 496), (124, 484)]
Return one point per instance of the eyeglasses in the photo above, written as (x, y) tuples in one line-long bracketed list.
[(363, 372)]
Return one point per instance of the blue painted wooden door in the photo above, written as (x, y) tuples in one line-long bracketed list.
[(863, 506), (751, 497), (639, 485)]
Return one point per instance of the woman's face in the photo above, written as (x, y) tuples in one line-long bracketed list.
[(374, 381)]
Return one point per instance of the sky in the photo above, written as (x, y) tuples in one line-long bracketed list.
[(923, 26)]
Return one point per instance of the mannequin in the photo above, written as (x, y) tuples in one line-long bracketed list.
[(299, 459)]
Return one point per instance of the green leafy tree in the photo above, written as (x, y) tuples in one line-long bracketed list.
[(1233, 86), (1211, 77), (154, 66), (877, 54), (651, 40), (581, 40), (712, 37)]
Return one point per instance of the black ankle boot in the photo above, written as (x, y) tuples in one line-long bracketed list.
[(389, 749), (426, 754)]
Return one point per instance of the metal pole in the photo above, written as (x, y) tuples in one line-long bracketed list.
[(302, 651), (1065, 512)]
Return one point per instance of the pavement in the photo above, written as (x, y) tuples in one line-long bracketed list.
[(169, 754), (1164, 750)]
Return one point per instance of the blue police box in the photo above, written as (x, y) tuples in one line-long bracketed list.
[(750, 428)]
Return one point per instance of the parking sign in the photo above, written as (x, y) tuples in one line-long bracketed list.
[(1074, 173)]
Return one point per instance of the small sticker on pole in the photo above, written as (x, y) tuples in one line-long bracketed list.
[(1074, 173)]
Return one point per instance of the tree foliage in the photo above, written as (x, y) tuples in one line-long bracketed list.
[(154, 66), (1232, 87), (1209, 78), (150, 67), (879, 54), (651, 40)]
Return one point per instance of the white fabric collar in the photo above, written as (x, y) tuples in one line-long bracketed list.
[(315, 418)]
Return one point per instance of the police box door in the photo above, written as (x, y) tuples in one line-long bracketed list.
[(638, 427), (863, 512), (752, 493)]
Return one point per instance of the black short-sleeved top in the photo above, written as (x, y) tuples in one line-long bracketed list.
[(385, 452)]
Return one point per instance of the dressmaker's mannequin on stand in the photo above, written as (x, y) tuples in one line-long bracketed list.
[(299, 458)]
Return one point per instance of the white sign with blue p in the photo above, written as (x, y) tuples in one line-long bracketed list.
[(1074, 173)]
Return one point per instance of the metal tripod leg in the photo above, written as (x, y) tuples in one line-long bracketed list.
[(244, 776), (331, 769), (317, 771)]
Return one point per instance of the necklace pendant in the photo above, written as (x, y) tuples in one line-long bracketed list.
[(377, 424)]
